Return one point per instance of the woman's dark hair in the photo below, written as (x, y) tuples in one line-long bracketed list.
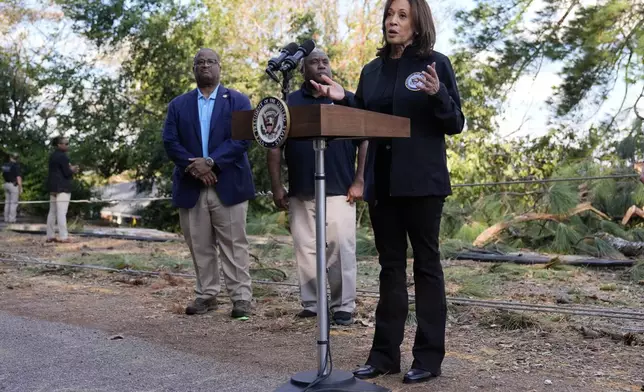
[(423, 22)]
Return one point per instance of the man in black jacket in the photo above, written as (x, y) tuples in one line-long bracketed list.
[(12, 187), (59, 184)]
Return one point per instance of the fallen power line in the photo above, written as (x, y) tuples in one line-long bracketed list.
[(269, 193), (502, 305)]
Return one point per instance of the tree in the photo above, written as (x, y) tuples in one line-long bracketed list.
[(594, 44)]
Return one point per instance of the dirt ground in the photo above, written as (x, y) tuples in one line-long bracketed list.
[(487, 349)]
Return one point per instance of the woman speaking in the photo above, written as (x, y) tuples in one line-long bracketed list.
[(406, 182)]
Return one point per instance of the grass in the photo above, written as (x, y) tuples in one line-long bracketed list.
[(574, 291), (509, 271), (637, 272), (263, 291), (143, 262), (450, 247), (561, 273), (76, 225), (273, 250), (270, 274), (471, 282), (411, 316), (173, 264), (509, 320), (267, 224), (365, 246)]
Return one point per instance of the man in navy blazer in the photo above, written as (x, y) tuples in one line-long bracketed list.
[(211, 185)]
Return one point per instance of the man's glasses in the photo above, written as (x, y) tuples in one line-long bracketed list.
[(206, 62)]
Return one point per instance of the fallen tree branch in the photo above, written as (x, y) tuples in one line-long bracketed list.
[(538, 259), (634, 210), (493, 231), (627, 248)]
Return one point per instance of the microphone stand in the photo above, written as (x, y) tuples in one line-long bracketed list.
[(324, 378), (286, 84)]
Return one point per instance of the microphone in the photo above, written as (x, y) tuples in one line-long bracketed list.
[(303, 51), (275, 62)]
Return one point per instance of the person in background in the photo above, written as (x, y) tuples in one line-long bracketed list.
[(406, 183), (211, 185), (12, 187), (59, 184), (344, 186)]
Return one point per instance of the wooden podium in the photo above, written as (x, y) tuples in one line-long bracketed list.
[(328, 121), (321, 123)]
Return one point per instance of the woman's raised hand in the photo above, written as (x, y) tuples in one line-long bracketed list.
[(331, 89)]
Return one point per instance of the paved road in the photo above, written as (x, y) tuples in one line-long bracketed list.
[(41, 356)]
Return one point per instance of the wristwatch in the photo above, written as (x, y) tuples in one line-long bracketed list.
[(210, 162)]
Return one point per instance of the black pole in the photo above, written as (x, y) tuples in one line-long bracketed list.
[(286, 84)]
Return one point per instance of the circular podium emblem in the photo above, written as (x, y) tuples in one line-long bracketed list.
[(271, 122)]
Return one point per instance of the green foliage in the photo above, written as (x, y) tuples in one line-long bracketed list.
[(614, 229), (114, 118), (637, 272), (267, 224), (614, 197), (565, 237), (593, 42), (510, 320), (601, 248), (469, 232), (637, 234), (470, 282), (509, 271), (562, 197), (450, 247), (365, 246), (161, 215)]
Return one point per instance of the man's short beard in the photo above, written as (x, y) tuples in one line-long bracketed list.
[(205, 81)]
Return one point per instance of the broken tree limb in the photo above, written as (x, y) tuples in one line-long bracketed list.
[(531, 259), (627, 248), (493, 231), (634, 210)]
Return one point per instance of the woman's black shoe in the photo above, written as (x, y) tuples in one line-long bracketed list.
[(416, 375), (366, 372)]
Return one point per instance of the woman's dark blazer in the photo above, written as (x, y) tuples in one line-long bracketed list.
[(418, 163)]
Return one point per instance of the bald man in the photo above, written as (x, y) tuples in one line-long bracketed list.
[(211, 185)]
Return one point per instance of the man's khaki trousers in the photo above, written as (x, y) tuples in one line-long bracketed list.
[(341, 251), (210, 225), (58, 205)]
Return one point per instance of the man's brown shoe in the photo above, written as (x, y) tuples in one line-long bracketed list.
[(202, 305)]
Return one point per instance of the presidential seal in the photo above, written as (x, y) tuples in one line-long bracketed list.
[(271, 122), (413, 81)]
